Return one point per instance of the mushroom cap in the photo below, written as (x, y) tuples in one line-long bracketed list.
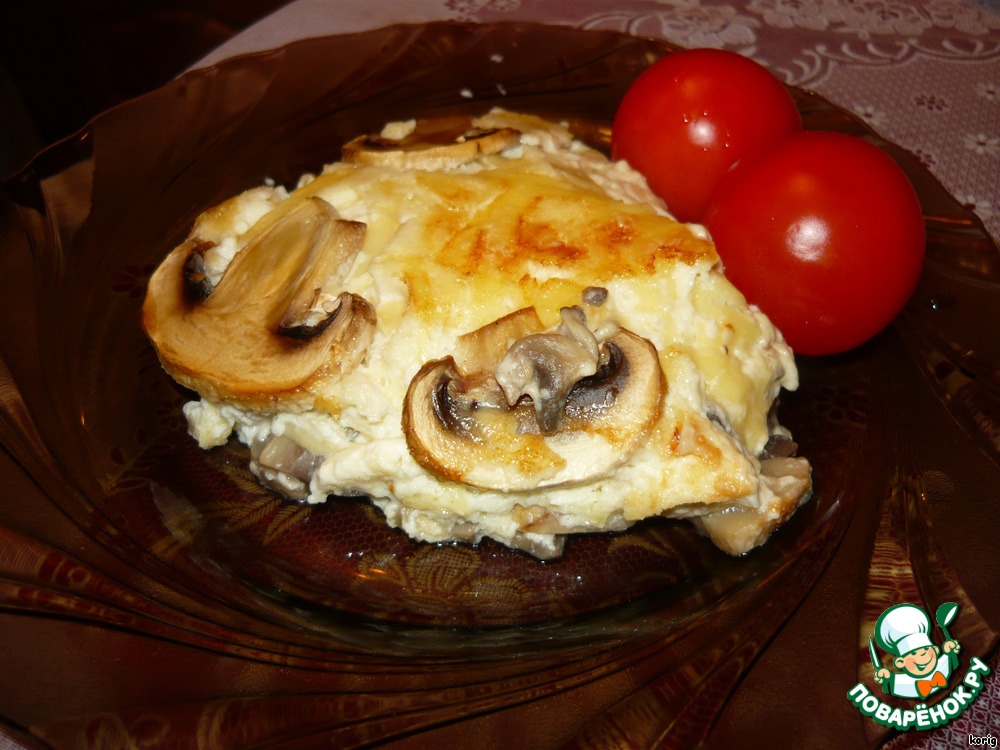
[(275, 324)]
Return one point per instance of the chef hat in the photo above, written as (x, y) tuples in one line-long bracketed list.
[(903, 628)]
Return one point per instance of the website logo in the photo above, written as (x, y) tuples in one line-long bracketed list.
[(920, 670)]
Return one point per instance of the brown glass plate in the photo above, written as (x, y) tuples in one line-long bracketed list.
[(153, 594)]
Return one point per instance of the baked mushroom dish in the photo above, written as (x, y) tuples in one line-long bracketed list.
[(490, 330)]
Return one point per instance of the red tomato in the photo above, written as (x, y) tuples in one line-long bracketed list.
[(823, 232), (690, 115)]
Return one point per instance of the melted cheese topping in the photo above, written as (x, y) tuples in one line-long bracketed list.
[(448, 252)]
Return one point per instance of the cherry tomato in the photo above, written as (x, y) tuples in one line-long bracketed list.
[(823, 232), (690, 115)]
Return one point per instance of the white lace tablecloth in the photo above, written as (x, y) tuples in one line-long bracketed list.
[(924, 74)]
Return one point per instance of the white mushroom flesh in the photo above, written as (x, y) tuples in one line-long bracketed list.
[(545, 366)]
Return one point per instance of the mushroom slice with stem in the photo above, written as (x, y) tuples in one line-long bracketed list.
[(276, 321), (546, 366), (432, 144), (461, 426)]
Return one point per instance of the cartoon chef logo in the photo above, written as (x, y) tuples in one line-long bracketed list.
[(921, 667)]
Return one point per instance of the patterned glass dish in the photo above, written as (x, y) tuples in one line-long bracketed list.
[(153, 594)]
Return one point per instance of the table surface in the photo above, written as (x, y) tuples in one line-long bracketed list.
[(924, 74)]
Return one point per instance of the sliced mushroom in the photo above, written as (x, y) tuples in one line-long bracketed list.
[(461, 427), (779, 445), (456, 435), (545, 367), (282, 453), (557, 136), (785, 484), (595, 296), (283, 465), (274, 322), (433, 144)]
